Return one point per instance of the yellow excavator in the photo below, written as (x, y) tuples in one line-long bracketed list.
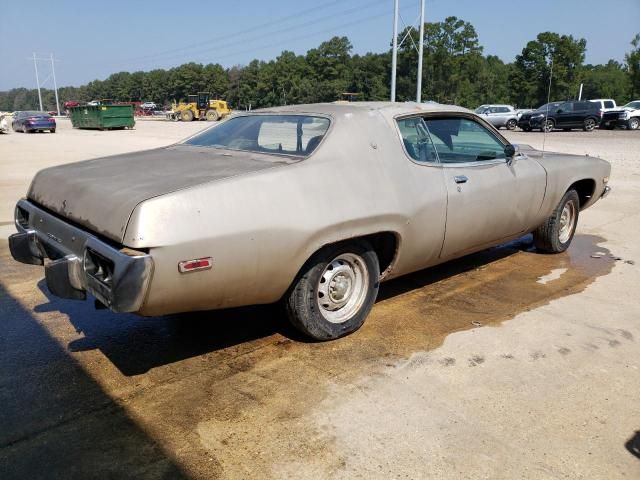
[(200, 107)]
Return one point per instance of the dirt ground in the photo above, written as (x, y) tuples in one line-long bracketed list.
[(505, 364)]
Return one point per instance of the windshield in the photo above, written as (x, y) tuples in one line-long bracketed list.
[(635, 105), (551, 106), (281, 134)]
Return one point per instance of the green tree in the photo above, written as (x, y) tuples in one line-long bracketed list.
[(633, 65), (532, 69)]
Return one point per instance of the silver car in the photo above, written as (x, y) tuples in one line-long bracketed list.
[(311, 205), (499, 115)]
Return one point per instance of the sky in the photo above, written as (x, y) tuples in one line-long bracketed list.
[(91, 40)]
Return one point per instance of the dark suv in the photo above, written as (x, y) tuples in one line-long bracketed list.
[(568, 115)]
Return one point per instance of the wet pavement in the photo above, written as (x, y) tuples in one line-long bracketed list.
[(88, 393)]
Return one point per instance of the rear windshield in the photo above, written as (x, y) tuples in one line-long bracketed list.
[(296, 135)]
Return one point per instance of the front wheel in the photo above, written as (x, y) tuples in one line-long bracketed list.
[(548, 126), (186, 115), (334, 291), (556, 233), (589, 125), (634, 123), (511, 124)]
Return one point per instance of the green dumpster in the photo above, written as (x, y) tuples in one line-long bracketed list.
[(103, 117)]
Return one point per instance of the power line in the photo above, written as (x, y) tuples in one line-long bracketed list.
[(169, 54)]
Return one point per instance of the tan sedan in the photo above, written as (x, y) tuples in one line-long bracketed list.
[(313, 205)]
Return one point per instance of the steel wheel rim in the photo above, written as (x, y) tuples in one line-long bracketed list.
[(567, 222), (590, 124), (633, 124), (548, 126), (342, 287)]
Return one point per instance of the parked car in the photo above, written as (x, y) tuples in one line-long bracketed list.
[(5, 122), (313, 205), (606, 104), (499, 115), (32, 121), (566, 116), (524, 121), (627, 116), (148, 106)]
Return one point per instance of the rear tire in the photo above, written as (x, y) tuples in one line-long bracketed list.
[(526, 129), (212, 116), (556, 233), (511, 124), (53, 130), (335, 291), (589, 125)]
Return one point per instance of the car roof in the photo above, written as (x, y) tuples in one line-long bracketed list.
[(388, 109)]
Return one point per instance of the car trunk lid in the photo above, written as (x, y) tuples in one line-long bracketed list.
[(100, 194)]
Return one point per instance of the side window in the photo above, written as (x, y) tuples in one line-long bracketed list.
[(460, 140), (608, 104), (416, 139), (503, 110), (566, 107)]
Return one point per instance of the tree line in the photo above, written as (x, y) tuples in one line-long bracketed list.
[(455, 70)]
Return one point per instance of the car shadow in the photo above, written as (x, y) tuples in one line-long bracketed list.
[(56, 421), (633, 445), (137, 344)]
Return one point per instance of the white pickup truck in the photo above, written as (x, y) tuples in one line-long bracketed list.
[(626, 116)]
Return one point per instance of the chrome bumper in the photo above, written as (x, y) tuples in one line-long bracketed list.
[(79, 261)]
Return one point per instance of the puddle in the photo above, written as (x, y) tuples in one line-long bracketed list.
[(244, 382)]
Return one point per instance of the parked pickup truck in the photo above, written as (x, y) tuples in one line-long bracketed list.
[(627, 116)]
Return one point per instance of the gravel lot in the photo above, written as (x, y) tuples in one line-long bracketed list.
[(505, 364)]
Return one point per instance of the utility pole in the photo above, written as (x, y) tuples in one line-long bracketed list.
[(35, 64), (420, 53), (55, 86), (394, 52)]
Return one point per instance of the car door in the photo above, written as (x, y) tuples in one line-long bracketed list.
[(488, 198), (564, 115)]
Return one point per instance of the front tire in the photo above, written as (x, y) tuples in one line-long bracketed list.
[(186, 116), (334, 291), (511, 124), (548, 126), (556, 233), (634, 123)]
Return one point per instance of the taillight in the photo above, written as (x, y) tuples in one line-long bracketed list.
[(601, 113)]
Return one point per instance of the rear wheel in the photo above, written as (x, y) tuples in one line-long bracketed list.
[(53, 130), (526, 129), (335, 291), (634, 123), (212, 115), (511, 124), (548, 126), (556, 233), (589, 125), (186, 115)]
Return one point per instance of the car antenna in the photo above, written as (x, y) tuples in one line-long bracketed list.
[(546, 117)]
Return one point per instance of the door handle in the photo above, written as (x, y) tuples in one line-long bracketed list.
[(460, 179)]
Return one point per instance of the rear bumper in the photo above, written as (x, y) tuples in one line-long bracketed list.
[(79, 262)]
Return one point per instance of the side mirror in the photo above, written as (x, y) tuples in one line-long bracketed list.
[(509, 151)]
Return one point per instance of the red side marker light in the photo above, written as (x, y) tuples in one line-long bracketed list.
[(187, 266)]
